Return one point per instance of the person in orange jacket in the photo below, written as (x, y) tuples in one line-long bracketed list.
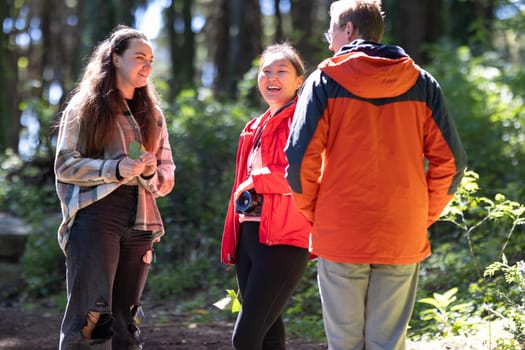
[(374, 158), (265, 235)]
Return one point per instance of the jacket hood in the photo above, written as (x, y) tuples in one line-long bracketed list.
[(371, 70)]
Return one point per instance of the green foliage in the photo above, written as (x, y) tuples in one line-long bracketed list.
[(43, 261), (512, 299), (204, 135), (27, 189), (231, 301), (486, 96), (303, 315), (186, 278), (487, 224), (305, 300), (29, 193), (450, 318), (135, 150), (482, 230)]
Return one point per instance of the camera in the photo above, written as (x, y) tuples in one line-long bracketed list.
[(249, 203)]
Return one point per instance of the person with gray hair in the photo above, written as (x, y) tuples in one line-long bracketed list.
[(374, 158)]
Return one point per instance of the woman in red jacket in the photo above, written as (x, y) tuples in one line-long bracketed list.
[(265, 235)]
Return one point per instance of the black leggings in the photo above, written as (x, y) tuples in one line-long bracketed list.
[(267, 277)]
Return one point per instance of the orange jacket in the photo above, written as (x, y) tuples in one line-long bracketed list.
[(366, 122), (281, 221)]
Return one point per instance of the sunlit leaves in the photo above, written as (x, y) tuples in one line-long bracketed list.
[(231, 301)]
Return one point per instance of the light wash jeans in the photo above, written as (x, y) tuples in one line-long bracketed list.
[(366, 306)]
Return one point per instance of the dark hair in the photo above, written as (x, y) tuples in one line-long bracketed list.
[(365, 15), (289, 52), (98, 100)]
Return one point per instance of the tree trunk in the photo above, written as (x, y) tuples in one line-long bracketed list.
[(472, 22), (234, 33), (9, 113), (279, 35), (304, 18), (413, 23), (181, 46)]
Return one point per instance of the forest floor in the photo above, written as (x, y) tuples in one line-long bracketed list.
[(35, 325), (37, 328)]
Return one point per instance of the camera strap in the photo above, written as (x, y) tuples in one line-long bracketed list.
[(257, 142), (258, 137)]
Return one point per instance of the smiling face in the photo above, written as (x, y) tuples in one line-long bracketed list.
[(278, 80), (133, 67)]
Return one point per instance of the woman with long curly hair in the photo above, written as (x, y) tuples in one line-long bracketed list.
[(113, 159)]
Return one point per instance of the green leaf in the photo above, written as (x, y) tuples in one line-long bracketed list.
[(236, 306), (135, 150), (231, 299), (430, 301), (223, 303)]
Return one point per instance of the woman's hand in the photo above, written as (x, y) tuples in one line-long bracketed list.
[(150, 164), (128, 167), (244, 186)]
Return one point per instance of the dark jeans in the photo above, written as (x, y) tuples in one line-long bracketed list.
[(267, 277), (107, 270)]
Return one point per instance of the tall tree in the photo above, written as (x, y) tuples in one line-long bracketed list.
[(234, 33), (310, 19), (474, 21), (414, 23), (9, 116), (181, 45), (279, 35)]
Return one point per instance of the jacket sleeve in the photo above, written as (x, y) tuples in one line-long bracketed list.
[(162, 182), (231, 223), (271, 179), (306, 145), (70, 166), (444, 152)]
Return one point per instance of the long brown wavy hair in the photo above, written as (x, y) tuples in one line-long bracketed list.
[(99, 100)]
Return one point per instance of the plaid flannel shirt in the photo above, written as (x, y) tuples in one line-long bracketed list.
[(82, 181)]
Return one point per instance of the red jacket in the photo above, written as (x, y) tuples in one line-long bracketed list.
[(281, 221), (373, 155)]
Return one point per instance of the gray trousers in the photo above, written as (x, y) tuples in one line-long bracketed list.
[(366, 306), (106, 274)]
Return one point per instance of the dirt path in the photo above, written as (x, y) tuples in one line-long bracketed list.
[(38, 330), (36, 325)]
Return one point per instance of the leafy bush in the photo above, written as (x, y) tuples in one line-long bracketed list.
[(483, 231), (43, 261), (486, 97), (29, 193), (450, 317), (512, 300), (303, 315), (204, 135), (28, 189)]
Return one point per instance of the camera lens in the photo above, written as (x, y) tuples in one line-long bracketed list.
[(244, 202)]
